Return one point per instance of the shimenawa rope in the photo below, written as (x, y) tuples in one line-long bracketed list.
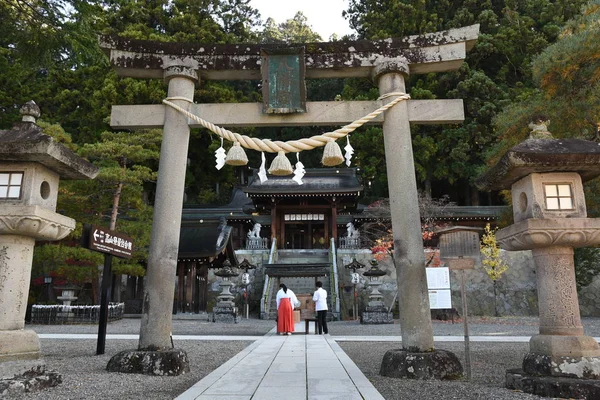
[(290, 146)]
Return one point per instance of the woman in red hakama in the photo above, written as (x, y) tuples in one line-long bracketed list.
[(286, 300)]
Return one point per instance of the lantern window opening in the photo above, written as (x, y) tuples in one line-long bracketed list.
[(558, 196), (10, 185)]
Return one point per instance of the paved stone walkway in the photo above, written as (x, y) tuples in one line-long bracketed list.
[(296, 367)]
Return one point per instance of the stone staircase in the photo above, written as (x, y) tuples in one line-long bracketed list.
[(291, 262)]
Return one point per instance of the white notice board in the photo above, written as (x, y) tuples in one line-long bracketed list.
[(438, 278), (440, 299), (438, 283)]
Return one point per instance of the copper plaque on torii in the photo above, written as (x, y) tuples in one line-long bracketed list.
[(283, 86)]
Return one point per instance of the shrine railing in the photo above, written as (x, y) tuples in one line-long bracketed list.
[(266, 294), (257, 243), (335, 296), (60, 314), (349, 243)]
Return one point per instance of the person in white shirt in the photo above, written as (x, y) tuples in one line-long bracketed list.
[(286, 301), (320, 299)]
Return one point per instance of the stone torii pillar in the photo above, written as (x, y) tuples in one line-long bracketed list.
[(156, 323), (413, 297), (155, 354), (434, 52), (417, 358)]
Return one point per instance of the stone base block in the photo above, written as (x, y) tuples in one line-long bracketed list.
[(10, 369), (19, 345), (436, 364), (376, 318), (228, 315), (568, 367), (552, 386), (565, 346), (33, 379), (148, 362)]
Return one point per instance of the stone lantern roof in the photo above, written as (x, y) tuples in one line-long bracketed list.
[(543, 156), (26, 142)]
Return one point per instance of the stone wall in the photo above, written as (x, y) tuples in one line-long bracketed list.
[(515, 290), (515, 293), (589, 299)]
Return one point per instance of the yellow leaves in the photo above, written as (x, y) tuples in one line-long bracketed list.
[(492, 262)]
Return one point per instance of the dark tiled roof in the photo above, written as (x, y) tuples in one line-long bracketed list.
[(205, 240), (240, 207), (316, 181)]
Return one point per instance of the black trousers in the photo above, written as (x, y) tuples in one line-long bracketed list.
[(322, 321)]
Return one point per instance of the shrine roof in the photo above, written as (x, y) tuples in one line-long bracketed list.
[(206, 240), (543, 156), (240, 207), (318, 181)]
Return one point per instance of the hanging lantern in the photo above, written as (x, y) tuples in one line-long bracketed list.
[(332, 155), (236, 155), (281, 166)]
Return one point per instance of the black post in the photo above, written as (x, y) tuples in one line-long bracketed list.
[(105, 295)]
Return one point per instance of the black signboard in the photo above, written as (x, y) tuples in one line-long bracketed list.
[(107, 241), (110, 243)]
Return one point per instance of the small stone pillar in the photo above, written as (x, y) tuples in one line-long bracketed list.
[(376, 312), (31, 164), (225, 309), (545, 176), (67, 296)]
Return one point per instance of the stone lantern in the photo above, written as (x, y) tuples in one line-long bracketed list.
[(354, 279), (376, 312), (550, 219), (225, 309), (246, 266), (31, 164)]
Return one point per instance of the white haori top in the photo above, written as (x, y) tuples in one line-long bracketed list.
[(320, 299), (289, 295)]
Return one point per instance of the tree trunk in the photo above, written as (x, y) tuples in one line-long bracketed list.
[(496, 314), (116, 278), (427, 188), (474, 197)]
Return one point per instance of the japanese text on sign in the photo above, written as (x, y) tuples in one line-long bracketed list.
[(106, 241)]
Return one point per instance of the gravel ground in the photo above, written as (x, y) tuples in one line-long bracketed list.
[(85, 377)]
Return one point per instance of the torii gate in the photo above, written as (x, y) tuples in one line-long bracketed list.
[(386, 61)]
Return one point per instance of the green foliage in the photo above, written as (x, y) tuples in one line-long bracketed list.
[(497, 70), (587, 265), (74, 264), (295, 30), (42, 32), (493, 264), (567, 74)]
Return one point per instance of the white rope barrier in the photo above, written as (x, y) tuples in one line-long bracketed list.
[(291, 146)]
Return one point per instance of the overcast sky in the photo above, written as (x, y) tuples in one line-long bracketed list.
[(324, 16)]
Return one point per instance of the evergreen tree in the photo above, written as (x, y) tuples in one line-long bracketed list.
[(496, 71)]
